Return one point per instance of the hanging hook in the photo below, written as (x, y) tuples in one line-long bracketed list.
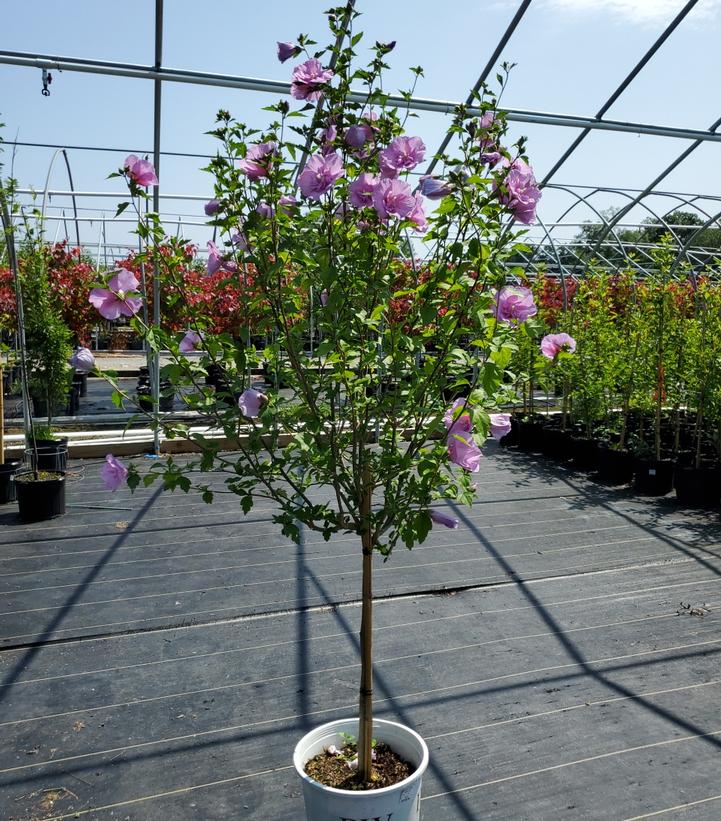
[(47, 79)]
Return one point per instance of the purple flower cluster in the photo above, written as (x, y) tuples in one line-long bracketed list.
[(519, 191), (500, 424), (553, 344), (218, 262), (320, 174), (115, 300), (462, 448), (403, 154), (83, 359), (113, 472), (141, 172), (258, 160), (251, 402), (514, 304), (308, 80), (288, 50), (190, 342)]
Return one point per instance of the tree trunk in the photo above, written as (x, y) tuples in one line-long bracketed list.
[(365, 712)]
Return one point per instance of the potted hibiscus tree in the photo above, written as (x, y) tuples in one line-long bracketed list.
[(336, 452)]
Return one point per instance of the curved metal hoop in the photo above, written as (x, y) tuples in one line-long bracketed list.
[(72, 189)]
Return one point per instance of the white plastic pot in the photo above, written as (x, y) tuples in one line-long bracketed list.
[(401, 802)]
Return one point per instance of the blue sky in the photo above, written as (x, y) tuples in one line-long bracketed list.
[(570, 55)]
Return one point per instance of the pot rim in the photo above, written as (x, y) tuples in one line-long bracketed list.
[(329, 725), (59, 476)]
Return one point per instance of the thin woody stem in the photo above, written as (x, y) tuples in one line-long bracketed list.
[(365, 722)]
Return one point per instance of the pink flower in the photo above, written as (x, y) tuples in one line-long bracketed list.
[(265, 210), (215, 258), (519, 191), (514, 303), (491, 158), (239, 239), (361, 190), (403, 154), (251, 401), (217, 262), (113, 301), (358, 135), (486, 120), (308, 80), (211, 207), (258, 160), (287, 204), (324, 297), (328, 138), (434, 189), (320, 175), (190, 342), (553, 344), (485, 125), (141, 172), (113, 473), (443, 519), (393, 198), (457, 417), (500, 424), (463, 451), (288, 50), (82, 359), (418, 215)]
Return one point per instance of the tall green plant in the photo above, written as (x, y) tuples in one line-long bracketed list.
[(365, 442), (48, 338)]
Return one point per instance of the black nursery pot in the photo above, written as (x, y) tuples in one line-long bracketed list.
[(511, 438), (7, 480), (530, 436), (615, 467), (697, 487), (653, 477), (557, 444), (80, 381), (585, 453), (52, 455), (40, 499)]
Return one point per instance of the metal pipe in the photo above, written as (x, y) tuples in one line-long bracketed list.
[(72, 189), (274, 87), (486, 71), (117, 194), (157, 124), (650, 188), (110, 150), (683, 249), (622, 87)]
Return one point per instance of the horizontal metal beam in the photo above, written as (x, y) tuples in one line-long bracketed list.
[(112, 194), (174, 75)]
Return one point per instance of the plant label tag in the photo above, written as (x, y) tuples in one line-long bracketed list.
[(652, 471)]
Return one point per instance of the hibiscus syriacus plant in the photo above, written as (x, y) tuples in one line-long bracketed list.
[(327, 208)]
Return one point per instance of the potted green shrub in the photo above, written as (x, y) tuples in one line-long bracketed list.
[(40, 493), (47, 337), (338, 453), (653, 470), (697, 477)]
